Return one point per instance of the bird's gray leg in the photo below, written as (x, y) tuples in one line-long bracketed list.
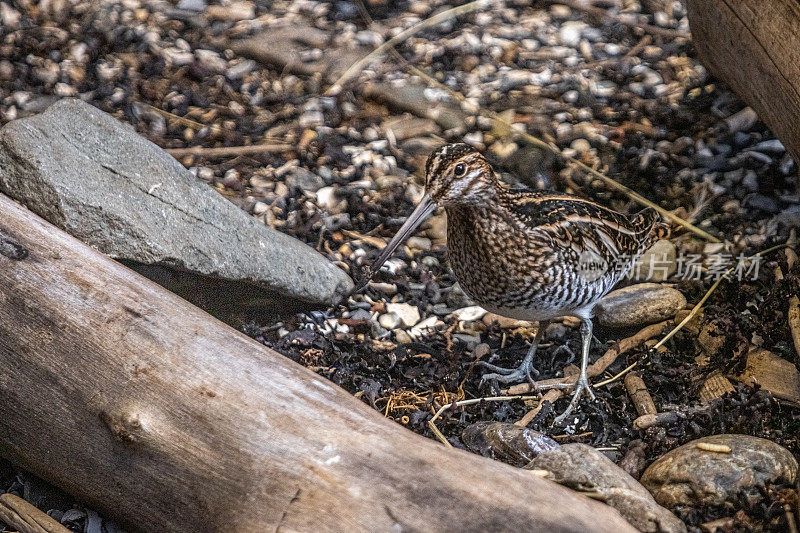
[(525, 371), (583, 381)]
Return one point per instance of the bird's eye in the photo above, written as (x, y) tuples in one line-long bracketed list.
[(460, 170)]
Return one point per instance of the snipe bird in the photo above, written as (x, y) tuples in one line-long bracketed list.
[(527, 255)]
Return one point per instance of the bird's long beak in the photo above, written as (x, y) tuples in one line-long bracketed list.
[(425, 207)]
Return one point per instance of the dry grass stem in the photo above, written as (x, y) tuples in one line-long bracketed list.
[(432, 421), (550, 396), (448, 14)]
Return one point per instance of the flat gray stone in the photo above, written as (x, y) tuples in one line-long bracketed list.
[(95, 178), (284, 46)]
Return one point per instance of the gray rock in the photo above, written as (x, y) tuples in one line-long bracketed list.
[(283, 46), (762, 203), (583, 468), (639, 304), (457, 298), (94, 177), (694, 476), (408, 126), (305, 180), (414, 99)]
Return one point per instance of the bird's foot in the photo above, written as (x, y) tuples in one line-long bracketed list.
[(580, 387), (525, 372)]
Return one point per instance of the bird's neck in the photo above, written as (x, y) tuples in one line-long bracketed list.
[(474, 218)]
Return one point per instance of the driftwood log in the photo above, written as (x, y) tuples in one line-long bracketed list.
[(754, 46), (166, 419)]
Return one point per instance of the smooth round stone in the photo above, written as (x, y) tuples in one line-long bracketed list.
[(408, 314), (693, 476), (658, 263), (638, 305), (389, 320)]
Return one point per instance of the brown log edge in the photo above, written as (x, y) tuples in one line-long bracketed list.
[(754, 46), (26, 518), (165, 419)]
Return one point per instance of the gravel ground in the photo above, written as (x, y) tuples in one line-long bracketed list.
[(631, 102)]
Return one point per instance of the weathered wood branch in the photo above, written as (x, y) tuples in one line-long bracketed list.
[(164, 418), (754, 46), (26, 518)]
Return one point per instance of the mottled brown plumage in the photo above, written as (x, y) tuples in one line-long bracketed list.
[(528, 255)]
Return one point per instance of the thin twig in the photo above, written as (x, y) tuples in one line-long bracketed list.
[(550, 396), (226, 151), (180, 120), (448, 14), (441, 437), (794, 307), (639, 394)]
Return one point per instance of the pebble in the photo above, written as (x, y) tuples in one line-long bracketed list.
[(232, 12), (326, 198), (389, 320), (772, 146), (192, 5), (570, 33), (408, 314), (177, 57), (419, 243), (581, 145), (305, 180), (468, 314), (457, 298), (386, 288), (762, 203), (694, 476), (638, 305), (469, 341), (402, 337), (425, 327), (210, 60)]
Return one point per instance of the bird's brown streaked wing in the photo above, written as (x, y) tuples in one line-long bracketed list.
[(580, 221)]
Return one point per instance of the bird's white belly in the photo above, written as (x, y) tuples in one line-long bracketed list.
[(537, 315)]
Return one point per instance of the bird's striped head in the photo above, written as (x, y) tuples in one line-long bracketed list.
[(457, 174)]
